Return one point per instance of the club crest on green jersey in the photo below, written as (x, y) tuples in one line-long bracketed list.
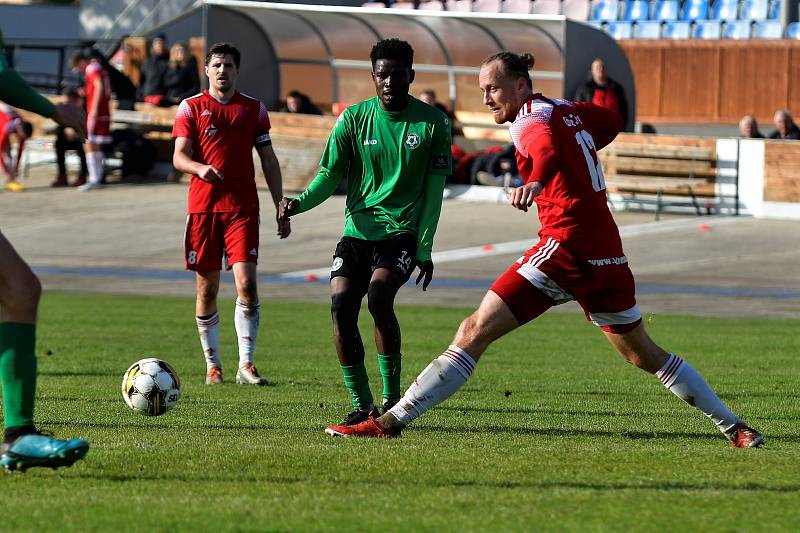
[(412, 140)]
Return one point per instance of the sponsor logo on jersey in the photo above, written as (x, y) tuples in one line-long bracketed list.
[(211, 130), (412, 140), (440, 162), (370, 142), (337, 263), (608, 261), (205, 113)]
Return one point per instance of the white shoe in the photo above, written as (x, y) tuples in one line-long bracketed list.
[(248, 375), (214, 376), (90, 185)]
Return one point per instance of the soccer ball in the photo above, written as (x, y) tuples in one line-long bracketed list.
[(151, 387)]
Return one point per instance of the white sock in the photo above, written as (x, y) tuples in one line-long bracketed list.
[(208, 328), (687, 384), (440, 380), (246, 318), (94, 162)]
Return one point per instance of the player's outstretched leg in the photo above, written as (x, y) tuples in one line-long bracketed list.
[(684, 382), (22, 446), (445, 375)]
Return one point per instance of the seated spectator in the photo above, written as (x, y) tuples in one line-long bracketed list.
[(151, 82), (496, 166), (181, 80), (748, 127), (785, 126), (429, 97), (297, 102), (69, 139), (12, 125), (602, 90)]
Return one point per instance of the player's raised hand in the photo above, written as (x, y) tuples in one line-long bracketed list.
[(209, 174), (284, 226), (522, 197), (426, 272), (287, 207), (72, 116)]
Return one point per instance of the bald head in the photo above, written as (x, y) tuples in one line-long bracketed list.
[(783, 121), (748, 126)]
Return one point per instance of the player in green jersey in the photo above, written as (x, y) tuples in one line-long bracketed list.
[(23, 446), (394, 151)]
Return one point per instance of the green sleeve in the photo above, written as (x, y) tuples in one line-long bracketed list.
[(319, 190), (334, 163), (17, 93), (440, 166), (429, 215)]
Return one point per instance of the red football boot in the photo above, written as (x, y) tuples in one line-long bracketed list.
[(743, 436), (369, 428)]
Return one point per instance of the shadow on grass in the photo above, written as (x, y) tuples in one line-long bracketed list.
[(596, 486)]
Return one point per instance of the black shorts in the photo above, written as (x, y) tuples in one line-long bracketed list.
[(357, 259)]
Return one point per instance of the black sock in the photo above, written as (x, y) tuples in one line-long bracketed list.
[(12, 434)]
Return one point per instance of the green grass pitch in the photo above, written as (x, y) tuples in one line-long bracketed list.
[(553, 432)]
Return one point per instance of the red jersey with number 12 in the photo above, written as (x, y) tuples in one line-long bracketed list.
[(223, 135), (556, 144)]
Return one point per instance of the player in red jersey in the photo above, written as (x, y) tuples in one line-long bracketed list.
[(98, 115), (12, 125), (215, 132), (579, 256)]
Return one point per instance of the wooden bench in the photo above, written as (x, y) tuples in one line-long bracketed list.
[(660, 175)]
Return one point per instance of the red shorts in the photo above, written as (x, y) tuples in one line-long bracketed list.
[(548, 274), (99, 131), (212, 237)]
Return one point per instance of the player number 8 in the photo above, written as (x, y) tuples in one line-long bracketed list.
[(192, 257), (592, 161)]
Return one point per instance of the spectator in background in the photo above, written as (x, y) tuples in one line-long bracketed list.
[(152, 75), (181, 80), (603, 91), (12, 125), (429, 97), (748, 127), (785, 127), (297, 102), (69, 139)]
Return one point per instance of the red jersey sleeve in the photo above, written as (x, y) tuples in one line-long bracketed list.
[(261, 134), (534, 140), (602, 123), (185, 122)]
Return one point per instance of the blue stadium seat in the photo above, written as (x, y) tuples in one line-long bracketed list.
[(666, 10), (707, 29), (695, 10), (620, 29), (737, 29), (647, 29), (677, 29), (605, 10), (599, 24), (793, 30), (774, 10), (636, 10), (755, 9), (726, 10), (767, 29)]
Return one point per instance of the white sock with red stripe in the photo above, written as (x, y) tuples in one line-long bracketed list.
[(687, 384), (246, 318), (440, 380), (208, 328)]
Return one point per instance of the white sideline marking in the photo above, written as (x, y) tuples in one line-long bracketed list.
[(510, 247)]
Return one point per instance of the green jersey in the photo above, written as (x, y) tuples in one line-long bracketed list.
[(17, 93), (395, 163)]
